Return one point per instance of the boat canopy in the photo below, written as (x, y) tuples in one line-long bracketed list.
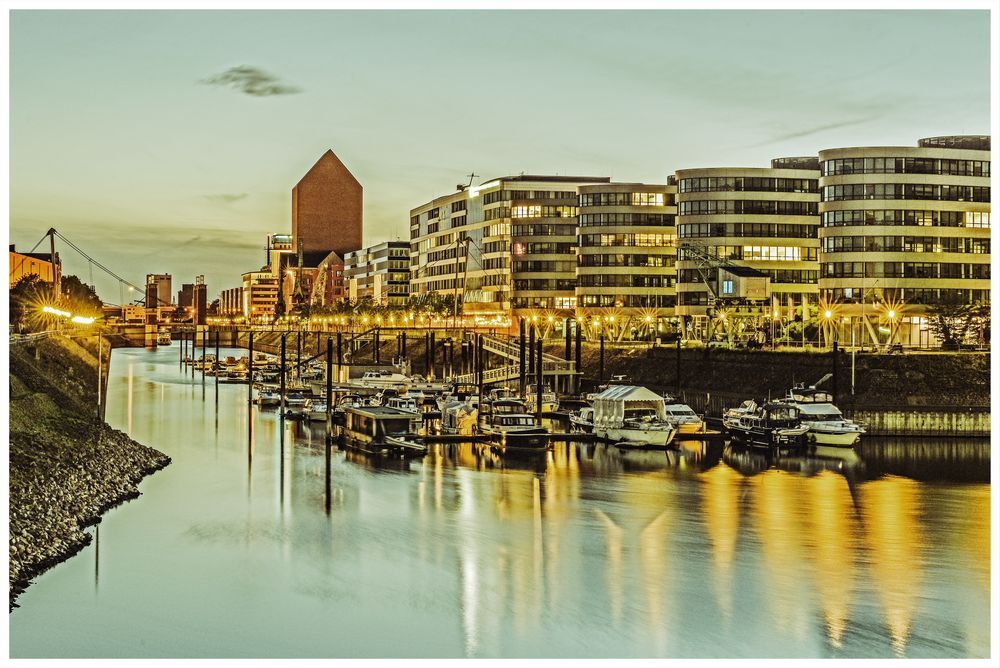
[(611, 404)]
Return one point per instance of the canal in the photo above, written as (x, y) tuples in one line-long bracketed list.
[(259, 545)]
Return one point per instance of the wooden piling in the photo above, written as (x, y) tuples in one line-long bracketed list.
[(432, 357), (539, 380), (531, 349), (678, 371), (250, 377), (522, 360), (329, 391), (578, 376), (282, 390), (601, 374)]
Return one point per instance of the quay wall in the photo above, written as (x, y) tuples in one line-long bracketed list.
[(67, 466)]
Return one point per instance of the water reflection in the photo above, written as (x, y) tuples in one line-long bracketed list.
[(588, 551), (894, 538)]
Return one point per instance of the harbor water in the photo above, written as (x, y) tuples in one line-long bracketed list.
[(259, 541)]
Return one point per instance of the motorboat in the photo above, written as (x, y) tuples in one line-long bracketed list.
[(827, 425), (731, 416), (295, 399), (774, 424), (683, 417), (460, 416), (163, 339), (316, 410), (582, 421), (550, 402), (510, 425), (633, 415), (383, 379), (269, 398)]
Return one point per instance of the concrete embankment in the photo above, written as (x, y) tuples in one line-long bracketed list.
[(67, 467), (906, 395)]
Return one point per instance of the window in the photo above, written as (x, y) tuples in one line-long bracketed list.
[(727, 287)]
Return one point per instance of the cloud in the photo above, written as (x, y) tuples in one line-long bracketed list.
[(811, 131), (252, 81), (226, 198)]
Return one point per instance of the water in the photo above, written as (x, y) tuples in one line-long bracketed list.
[(250, 552)]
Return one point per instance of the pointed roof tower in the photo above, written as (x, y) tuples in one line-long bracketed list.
[(327, 209)]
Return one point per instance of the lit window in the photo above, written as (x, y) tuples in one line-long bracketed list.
[(727, 287)]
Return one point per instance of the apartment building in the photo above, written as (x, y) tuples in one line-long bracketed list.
[(627, 250), (762, 218), (508, 244), (381, 272), (903, 229)]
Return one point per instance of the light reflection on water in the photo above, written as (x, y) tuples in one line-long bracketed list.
[(260, 541)]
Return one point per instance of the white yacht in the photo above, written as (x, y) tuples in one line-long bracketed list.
[(383, 379), (827, 425), (634, 415), (683, 417), (582, 421)]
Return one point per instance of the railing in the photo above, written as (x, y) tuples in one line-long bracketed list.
[(512, 351), (17, 339)]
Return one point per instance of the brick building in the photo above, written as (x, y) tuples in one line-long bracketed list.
[(326, 210)]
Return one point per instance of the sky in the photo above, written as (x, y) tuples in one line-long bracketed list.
[(169, 141)]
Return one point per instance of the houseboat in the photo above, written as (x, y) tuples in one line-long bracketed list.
[(550, 402), (367, 428), (509, 425), (632, 415)]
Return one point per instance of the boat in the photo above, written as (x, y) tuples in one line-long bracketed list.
[(509, 425), (316, 410), (827, 425), (383, 379), (460, 416), (269, 398), (163, 339), (367, 428), (407, 443), (294, 399), (774, 424), (550, 402), (683, 417), (731, 416), (633, 415), (582, 421)]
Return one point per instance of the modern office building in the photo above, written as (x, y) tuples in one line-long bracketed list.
[(762, 218), (39, 264), (903, 229), (260, 295), (328, 287), (381, 272), (627, 250), (327, 210), (506, 245), (158, 292)]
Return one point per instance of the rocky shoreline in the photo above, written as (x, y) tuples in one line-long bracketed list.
[(66, 467)]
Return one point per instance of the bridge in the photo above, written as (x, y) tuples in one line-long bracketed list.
[(552, 366)]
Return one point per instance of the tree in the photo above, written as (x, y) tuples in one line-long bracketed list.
[(950, 320), (80, 298), (27, 295)]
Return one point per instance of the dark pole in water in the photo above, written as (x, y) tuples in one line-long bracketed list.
[(836, 363), (298, 359), (216, 354), (678, 378), (531, 349), (432, 354), (378, 344), (180, 350), (479, 364), (318, 342), (600, 375), (282, 391), (204, 351), (569, 341), (250, 376), (329, 389), (579, 367), (403, 349), (194, 347), (340, 354), (538, 380), (521, 351)]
